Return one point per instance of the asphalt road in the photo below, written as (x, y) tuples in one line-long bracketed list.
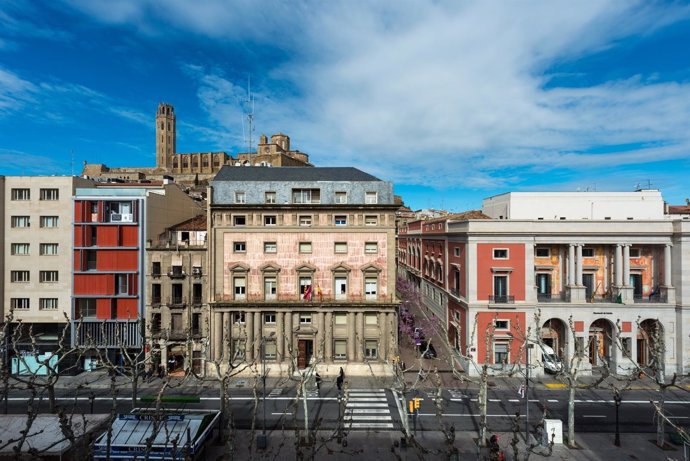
[(367, 409)]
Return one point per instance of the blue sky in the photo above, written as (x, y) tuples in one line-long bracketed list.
[(452, 101)]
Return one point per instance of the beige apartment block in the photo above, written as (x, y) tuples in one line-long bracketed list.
[(37, 214)]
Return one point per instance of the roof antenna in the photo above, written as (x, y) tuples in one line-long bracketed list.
[(248, 107)]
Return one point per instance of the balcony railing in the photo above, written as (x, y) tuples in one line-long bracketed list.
[(176, 272), (177, 301), (653, 298), (549, 298), (502, 299), (197, 300), (155, 300), (108, 333), (455, 292)]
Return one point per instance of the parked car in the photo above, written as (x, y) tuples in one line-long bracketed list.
[(552, 362), (427, 350)]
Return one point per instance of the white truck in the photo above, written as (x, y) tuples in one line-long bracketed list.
[(552, 362)]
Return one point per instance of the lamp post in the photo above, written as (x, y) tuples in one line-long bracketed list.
[(617, 400)]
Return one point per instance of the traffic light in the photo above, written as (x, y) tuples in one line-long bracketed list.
[(411, 402), (417, 403)]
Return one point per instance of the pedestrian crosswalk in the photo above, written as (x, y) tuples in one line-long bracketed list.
[(367, 409), (312, 393), (275, 392)]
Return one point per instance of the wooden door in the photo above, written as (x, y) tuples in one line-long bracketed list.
[(302, 354)]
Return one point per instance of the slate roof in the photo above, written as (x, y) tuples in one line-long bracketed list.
[(679, 209), (292, 173), (197, 223)]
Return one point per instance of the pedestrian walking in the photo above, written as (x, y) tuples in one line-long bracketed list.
[(341, 378), (318, 381)]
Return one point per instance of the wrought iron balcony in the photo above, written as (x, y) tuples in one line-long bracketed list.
[(177, 301), (155, 300), (652, 298), (549, 298), (176, 272), (502, 299), (197, 300)]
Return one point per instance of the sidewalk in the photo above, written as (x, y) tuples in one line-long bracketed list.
[(432, 446)]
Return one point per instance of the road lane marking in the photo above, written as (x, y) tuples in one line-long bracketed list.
[(287, 413), (370, 426), (513, 400), (358, 404), (552, 400), (367, 418), (593, 416), (367, 410), (470, 415)]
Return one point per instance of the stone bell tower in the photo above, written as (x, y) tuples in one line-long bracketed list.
[(165, 136)]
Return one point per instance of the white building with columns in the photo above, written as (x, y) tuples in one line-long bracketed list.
[(621, 279)]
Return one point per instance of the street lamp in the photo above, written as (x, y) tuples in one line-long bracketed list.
[(617, 400)]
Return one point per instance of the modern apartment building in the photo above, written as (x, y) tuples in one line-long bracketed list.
[(36, 223), (303, 264), (112, 226), (177, 297), (613, 263)]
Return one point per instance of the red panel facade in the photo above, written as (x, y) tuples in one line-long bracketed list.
[(513, 336), (126, 309), (513, 266)]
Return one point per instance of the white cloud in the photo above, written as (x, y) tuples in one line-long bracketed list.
[(432, 92)]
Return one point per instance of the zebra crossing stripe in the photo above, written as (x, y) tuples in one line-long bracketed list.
[(367, 418)]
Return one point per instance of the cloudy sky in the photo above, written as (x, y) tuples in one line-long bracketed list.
[(452, 101)]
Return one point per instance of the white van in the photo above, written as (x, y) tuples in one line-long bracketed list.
[(552, 362)]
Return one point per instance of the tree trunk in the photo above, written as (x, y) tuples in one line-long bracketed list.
[(51, 397), (571, 414), (483, 389), (661, 422), (135, 388)]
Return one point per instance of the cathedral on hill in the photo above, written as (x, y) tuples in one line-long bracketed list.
[(196, 167)]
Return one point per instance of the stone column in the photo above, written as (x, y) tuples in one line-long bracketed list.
[(626, 265), (288, 335), (571, 264), (280, 336), (217, 340), (619, 265), (258, 334), (668, 282), (359, 338), (225, 335), (351, 337), (384, 335), (320, 349), (578, 273), (329, 338), (249, 329)]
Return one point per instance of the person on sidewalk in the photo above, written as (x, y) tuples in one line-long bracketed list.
[(317, 378), (340, 379)]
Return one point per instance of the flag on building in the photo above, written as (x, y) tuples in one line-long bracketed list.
[(307, 293)]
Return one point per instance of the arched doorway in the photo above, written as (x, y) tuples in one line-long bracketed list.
[(600, 341), (553, 335), (650, 343)]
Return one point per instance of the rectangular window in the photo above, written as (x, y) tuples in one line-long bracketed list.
[(19, 276), (341, 197), (269, 319), (340, 247), (239, 220), (371, 319), (270, 247), (340, 287), (155, 293), (49, 249), (48, 304), (270, 220), (270, 197), (502, 324), (19, 303), (543, 252), (340, 319), (304, 285), (239, 247), (371, 247), (634, 252), (305, 247), (240, 197), (240, 287), (238, 317), (341, 220), (121, 284), (48, 276), (500, 353), (306, 196), (371, 349), (340, 349), (370, 287), (270, 288), (500, 253), (500, 288), (49, 194), (588, 252), (156, 269), (20, 249), (21, 194), (20, 221), (305, 319), (49, 221), (305, 220), (85, 307), (371, 220), (270, 350), (371, 198), (91, 260)]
